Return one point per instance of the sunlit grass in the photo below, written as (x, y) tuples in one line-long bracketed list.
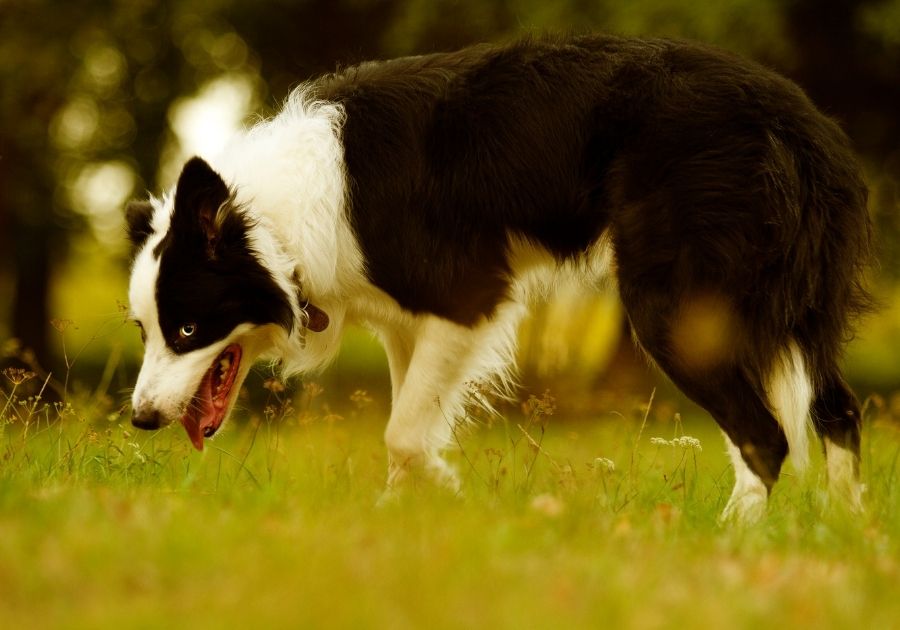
[(575, 522)]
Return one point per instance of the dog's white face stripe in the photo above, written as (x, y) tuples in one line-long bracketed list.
[(167, 381)]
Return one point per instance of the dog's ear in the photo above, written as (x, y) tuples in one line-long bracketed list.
[(202, 204), (138, 216)]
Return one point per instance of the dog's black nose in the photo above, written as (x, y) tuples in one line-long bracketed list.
[(146, 419)]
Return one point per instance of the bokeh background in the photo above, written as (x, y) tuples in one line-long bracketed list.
[(100, 101)]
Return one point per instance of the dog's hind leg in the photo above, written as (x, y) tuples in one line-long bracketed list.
[(715, 374), (747, 503), (837, 417), (787, 395), (756, 440)]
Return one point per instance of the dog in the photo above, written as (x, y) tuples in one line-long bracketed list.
[(431, 198)]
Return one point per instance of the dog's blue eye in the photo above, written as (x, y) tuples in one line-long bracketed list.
[(188, 329)]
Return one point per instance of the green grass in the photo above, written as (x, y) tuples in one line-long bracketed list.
[(275, 525)]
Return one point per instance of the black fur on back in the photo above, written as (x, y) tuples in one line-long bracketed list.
[(710, 170), (449, 153), (711, 174)]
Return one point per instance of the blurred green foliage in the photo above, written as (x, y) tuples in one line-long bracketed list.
[(91, 91)]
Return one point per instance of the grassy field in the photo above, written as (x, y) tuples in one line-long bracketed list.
[(605, 521)]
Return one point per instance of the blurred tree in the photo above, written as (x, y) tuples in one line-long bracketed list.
[(88, 87), (848, 60), (84, 85), (295, 41), (847, 63), (35, 68)]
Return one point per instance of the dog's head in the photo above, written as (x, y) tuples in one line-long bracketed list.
[(206, 304)]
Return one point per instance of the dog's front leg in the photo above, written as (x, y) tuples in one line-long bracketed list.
[(428, 401), (398, 345)]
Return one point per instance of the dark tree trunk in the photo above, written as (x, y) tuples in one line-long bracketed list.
[(30, 308), (851, 73)]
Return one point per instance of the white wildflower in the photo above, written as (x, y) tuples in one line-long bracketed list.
[(686, 441)]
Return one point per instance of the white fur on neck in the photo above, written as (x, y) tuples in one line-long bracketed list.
[(288, 175)]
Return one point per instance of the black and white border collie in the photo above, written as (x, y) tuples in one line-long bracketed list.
[(428, 198)]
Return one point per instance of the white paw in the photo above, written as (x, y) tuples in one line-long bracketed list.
[(443, 474), (745, 509), (389, 497), (847, 495), (843, 477), (405, 469)]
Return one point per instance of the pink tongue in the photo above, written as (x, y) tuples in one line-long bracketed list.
[(201, 415), (192, 426), (206, 412)]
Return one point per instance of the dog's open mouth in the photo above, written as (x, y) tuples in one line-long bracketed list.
[(205, 413)]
